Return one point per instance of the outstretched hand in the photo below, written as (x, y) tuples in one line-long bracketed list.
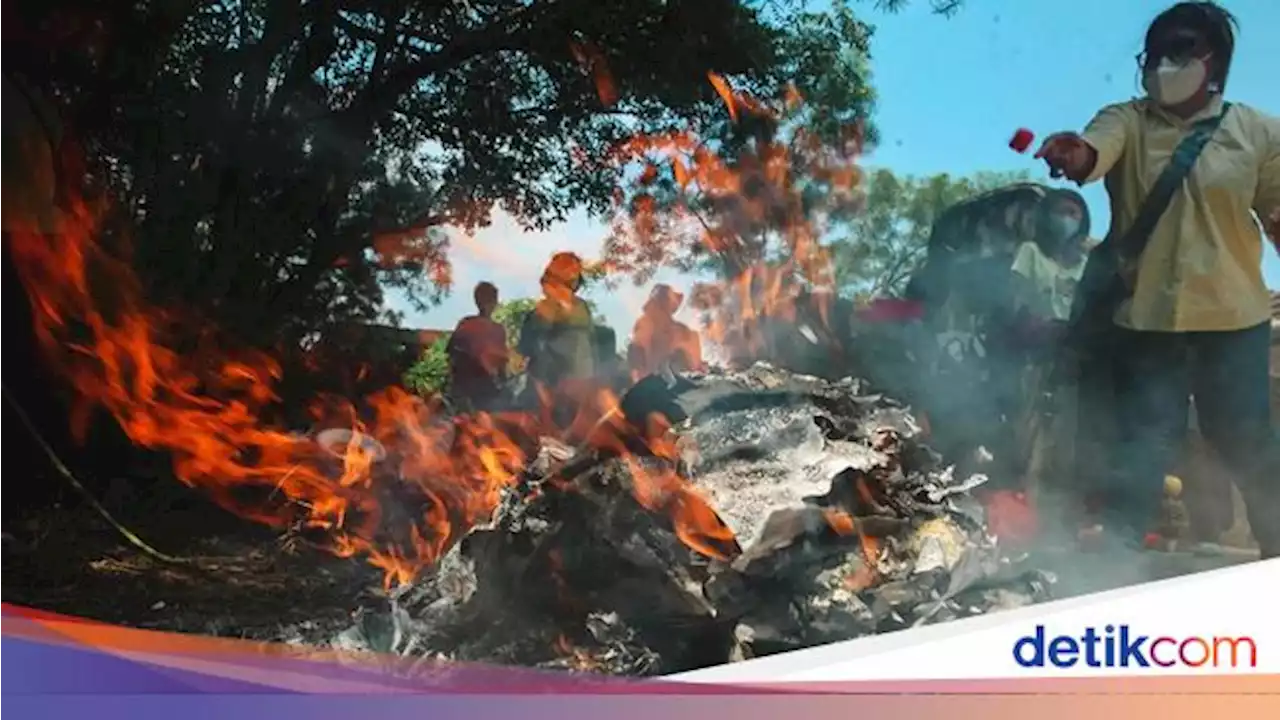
[(1067, 154)]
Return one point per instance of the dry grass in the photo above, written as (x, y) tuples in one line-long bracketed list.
[(237, 584)]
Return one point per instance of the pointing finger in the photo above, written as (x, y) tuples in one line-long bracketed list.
[(1051, 144)]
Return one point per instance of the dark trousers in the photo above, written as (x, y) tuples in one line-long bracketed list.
[(1155, 374), (476, 394)]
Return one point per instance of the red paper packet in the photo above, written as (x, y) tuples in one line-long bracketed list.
[(1022, 140)]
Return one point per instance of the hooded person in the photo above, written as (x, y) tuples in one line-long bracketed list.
[(659, 340), (1046, 269), (997, 283), (557, 336)]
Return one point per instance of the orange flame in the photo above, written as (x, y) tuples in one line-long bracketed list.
[(726, 94), (840, 521), (206, 406), (205, 409), (592, 60), (735, 208), (579, 659), (694, 522)]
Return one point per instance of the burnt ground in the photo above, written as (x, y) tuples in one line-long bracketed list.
[(235, 579)]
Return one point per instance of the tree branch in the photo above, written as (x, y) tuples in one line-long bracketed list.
[(379, 98)]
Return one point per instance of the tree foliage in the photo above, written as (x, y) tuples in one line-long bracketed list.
[(430, 374), (285, 159), (510, 315), (784, 175), (878, 248), (940, 7), (278, 163)]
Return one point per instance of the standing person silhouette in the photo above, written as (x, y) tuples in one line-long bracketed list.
[(1177, 285), (557, 338), (478, 355)]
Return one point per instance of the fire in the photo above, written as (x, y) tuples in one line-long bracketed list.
[(578, 658), (756, 212), (726, 93), (662, 489), (403, 505), (841, 522), (867, 574), (205, 407), (593, 62), (844, 524), (695, 522)]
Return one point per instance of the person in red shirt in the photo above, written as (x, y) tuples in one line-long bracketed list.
[(478, 354)]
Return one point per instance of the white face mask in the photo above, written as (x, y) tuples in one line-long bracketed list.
[(1171, 83), (1066, 226)]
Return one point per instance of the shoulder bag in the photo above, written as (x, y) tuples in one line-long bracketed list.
[(1110, 272)]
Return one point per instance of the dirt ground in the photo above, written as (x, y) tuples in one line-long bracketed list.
[(233, 580)]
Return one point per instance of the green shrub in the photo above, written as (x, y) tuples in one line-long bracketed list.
[(430, 375)]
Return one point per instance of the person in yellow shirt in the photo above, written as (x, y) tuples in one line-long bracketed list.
[(1196, 320)]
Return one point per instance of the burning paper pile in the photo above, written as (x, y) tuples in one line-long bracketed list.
[(718, 517), (698, 520)]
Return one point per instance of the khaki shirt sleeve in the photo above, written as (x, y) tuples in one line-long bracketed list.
[(1266, 198), (1108, 133)]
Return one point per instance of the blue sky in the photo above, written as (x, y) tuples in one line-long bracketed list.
[(951, 93)]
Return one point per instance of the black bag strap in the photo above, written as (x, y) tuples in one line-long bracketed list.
[(1130, 245)]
